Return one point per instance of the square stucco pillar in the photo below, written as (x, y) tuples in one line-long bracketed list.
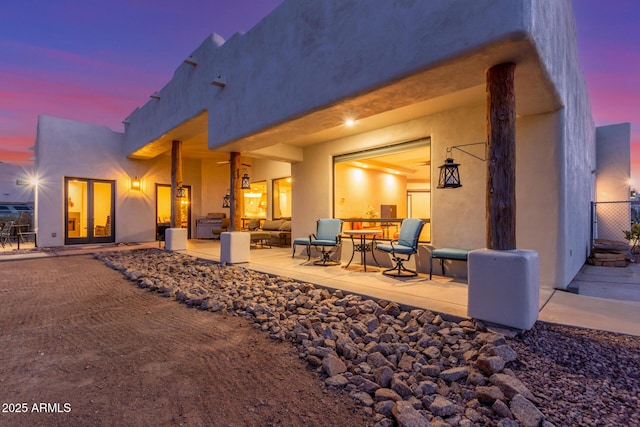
[(504, 287), (234, 247), (176, 239)]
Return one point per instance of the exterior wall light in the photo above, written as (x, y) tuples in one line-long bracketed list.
[(245, 185), (136, 184), (181, 192), (449, 174), (34, 182)]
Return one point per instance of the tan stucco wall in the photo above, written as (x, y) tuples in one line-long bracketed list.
[(65, 148), (457, 214)]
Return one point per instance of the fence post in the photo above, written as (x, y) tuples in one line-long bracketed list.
[(594, 224)]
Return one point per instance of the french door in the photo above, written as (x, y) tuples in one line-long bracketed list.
[(89, 211)]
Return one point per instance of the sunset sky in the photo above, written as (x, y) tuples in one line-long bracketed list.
[(96, 61)]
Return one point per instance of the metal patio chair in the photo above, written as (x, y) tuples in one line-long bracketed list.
[(403, 248), (327, 240), (5, 233)]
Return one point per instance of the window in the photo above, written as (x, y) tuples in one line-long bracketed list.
[(255, 200), (392, 182), (282, 198)]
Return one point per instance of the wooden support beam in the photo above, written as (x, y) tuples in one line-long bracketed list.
[(235, 212), (176, 182), (501, 174)]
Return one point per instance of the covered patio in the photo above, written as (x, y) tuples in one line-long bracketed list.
[(448, 295), (443, 294)]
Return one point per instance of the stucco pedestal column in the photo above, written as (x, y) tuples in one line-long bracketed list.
[(504, 287), (175, 239), (235, 247)]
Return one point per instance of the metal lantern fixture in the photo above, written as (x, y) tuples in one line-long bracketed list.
[(245, 182), (181, 192), (449, 175), (226, 200)]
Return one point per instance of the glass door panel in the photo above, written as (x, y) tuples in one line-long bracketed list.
[(102, 209), (281, 198), (77, 202), (163, 209), (419, 203)]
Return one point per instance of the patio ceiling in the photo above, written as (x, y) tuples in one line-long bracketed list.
[(193, 133), (460, 82)]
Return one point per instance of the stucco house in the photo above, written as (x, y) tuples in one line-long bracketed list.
[(347, 109)]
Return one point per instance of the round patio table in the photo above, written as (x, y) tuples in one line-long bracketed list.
[(363, 246)]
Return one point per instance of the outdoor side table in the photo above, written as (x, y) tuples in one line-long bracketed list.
[(363, 246)]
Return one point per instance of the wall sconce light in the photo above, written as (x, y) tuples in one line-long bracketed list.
[(136, 184), (449, 174), (226, 200), (155, 95), (181, 192)]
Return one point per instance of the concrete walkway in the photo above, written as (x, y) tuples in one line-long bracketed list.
[(608, 298)]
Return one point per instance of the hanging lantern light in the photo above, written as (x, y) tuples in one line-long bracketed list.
[(449, 175), (181, 192), (226, 200), (245, 185)]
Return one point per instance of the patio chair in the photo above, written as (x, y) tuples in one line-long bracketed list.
[(104, 230), (403, 248), (5, 233), (327, 240)]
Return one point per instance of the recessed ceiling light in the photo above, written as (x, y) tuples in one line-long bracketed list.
[(350, 122)]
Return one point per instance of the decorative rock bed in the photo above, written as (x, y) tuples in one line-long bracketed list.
[(408, 367)]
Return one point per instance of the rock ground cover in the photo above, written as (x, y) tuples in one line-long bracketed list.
[(410, 367)]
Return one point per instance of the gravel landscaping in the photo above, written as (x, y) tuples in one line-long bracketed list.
[(413, 367)]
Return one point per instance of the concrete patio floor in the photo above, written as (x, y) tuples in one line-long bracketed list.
[(597, 310), (607, 298)]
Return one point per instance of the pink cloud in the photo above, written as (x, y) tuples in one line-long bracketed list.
[(15, 149)]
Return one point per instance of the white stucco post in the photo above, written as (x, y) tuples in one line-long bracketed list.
[(503, 281)]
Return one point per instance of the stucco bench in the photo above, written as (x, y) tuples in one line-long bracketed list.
[(446, 253)]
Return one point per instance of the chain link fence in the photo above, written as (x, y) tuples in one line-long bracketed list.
[(611, 219)]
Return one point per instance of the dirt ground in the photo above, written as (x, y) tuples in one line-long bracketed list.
[(80, 345)]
